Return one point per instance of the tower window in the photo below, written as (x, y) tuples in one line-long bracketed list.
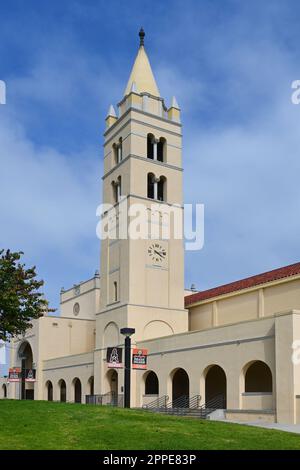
[(150, 146), (116, 187), (115, 291), (150, 187), (161, 189), (161, 146), (120, 150), (115, 153)]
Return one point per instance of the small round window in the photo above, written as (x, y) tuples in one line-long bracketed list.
[(76, 308)]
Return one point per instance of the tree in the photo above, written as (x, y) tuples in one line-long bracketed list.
[(20, 296)]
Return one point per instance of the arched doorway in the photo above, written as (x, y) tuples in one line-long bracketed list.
[(4, 391), (91, 386), (151, 384), (258, 378), (49, 388), (63, 390), (112, 386), (180, 388), (215, 384), (77, 390), (25, 356)]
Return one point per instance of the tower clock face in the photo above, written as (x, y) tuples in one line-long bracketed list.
[(157, 253)]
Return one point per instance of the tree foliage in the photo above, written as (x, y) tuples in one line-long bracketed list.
[(20, 296)]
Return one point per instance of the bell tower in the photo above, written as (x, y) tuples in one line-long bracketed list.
[(142, 278)]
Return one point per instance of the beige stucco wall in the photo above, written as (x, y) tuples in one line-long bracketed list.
[(231, 347), (68, 368), (86, 294), (52, 337), (260, 301), (258, 401)]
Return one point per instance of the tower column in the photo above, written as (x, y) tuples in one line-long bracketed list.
[(118, 191), (155, 142), (119, 149), (155, 187)]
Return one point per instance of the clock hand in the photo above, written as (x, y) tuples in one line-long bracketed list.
[(158, 253)]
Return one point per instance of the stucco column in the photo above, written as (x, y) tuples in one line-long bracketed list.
[(287, 380), (70, 391), (98, 365), (118, 192), (233, 386), (215, 313), (194, 384), (155, 141), (119, 149), (155, 183), (261, 303), (56, 391)]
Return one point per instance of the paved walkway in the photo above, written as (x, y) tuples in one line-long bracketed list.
[(295, 428)]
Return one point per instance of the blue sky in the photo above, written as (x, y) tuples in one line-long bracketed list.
[(229, 63)]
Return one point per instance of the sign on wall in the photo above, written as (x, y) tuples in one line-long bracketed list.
[(14, 374), (114, 358), (139, 358)]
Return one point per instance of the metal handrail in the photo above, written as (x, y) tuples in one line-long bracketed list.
[(180, 402), (159, 402), (215, 403), (109, 398)]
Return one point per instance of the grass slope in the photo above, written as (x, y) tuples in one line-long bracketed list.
[(44, 425)]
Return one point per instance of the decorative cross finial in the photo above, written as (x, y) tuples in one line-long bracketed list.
[(142, 36)]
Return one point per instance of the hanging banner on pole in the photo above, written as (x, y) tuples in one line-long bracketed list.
[(114, 358), (139, 358), (30, 375), (14, 374)]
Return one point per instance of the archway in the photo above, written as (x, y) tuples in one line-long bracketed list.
[(25, 356), (112, 383), (49, 388), (91, 386), (180, 388), (215, 383), (63, 390), (77, 390), (4, 391), (151, 384), (258, 378)]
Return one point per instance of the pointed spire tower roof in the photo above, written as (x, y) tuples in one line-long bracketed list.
[(141, 73)]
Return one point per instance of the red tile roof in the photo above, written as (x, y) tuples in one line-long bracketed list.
[(246, 283)]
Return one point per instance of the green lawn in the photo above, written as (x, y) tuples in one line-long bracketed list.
[(44, 425)]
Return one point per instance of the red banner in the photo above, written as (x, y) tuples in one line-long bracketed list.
[(139, 358), (14, 374)]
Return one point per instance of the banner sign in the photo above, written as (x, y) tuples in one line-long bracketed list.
[(114, 358), (139, 358), (14, 374), (30, 375)]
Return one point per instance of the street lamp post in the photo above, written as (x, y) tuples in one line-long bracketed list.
[(22, 357), (127, 332)]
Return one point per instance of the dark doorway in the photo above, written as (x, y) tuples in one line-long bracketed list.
[(181, 388), (49, 391), (26, 357), (29, 394), (63, 391), (151, 384), (77, 391), (258, 378), (215, 384), (91, 385)]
